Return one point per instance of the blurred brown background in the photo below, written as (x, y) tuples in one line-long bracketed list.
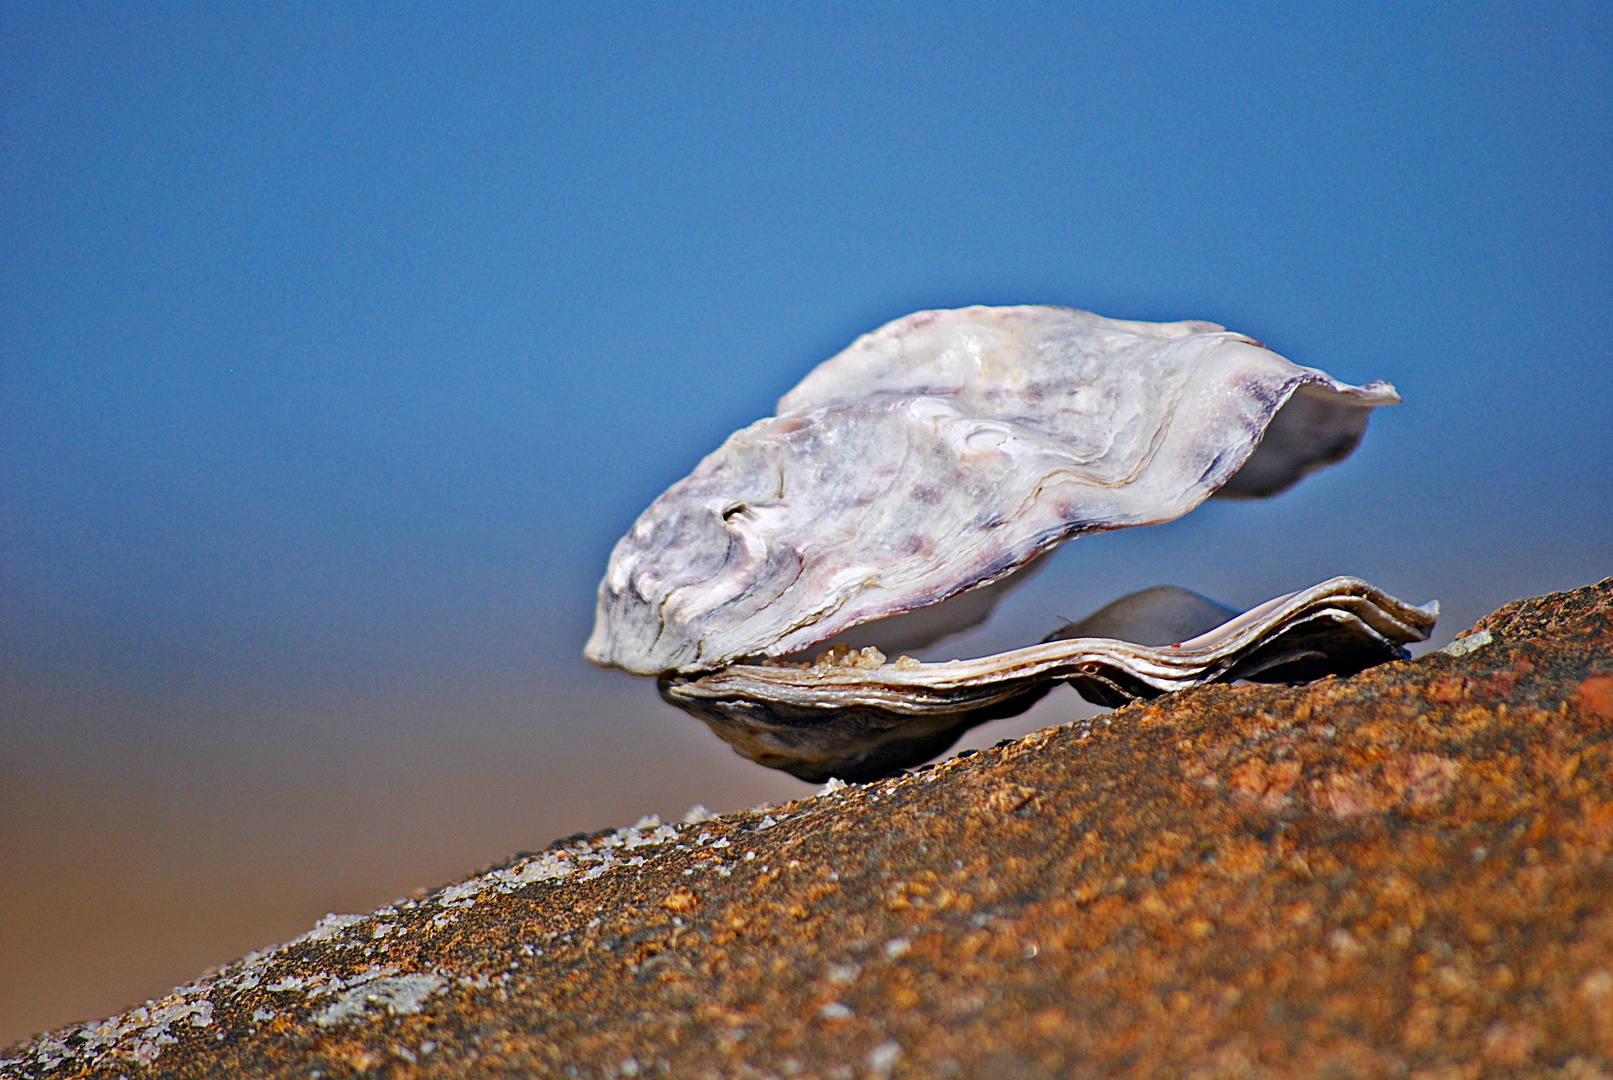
[(126, 877)]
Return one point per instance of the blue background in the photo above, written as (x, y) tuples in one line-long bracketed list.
[(338, 344)]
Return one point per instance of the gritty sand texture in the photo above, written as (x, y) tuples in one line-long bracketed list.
[(1404, 873)]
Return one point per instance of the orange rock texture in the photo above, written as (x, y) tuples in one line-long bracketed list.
[(1408, 873)]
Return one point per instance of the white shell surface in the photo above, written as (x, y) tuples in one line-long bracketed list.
[(940, 453)]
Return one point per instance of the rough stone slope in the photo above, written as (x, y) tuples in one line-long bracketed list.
[(1405, 873)]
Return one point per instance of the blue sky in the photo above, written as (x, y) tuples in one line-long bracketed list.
[(339, 343), (350, 339)]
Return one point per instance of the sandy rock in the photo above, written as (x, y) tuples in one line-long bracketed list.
[(1404, 873)]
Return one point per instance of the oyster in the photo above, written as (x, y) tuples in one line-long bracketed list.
[(908, 482)]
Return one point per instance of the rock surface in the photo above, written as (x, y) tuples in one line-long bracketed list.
[(1404, 873)]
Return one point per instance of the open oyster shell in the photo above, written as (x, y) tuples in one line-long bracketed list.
[(910, 481)]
